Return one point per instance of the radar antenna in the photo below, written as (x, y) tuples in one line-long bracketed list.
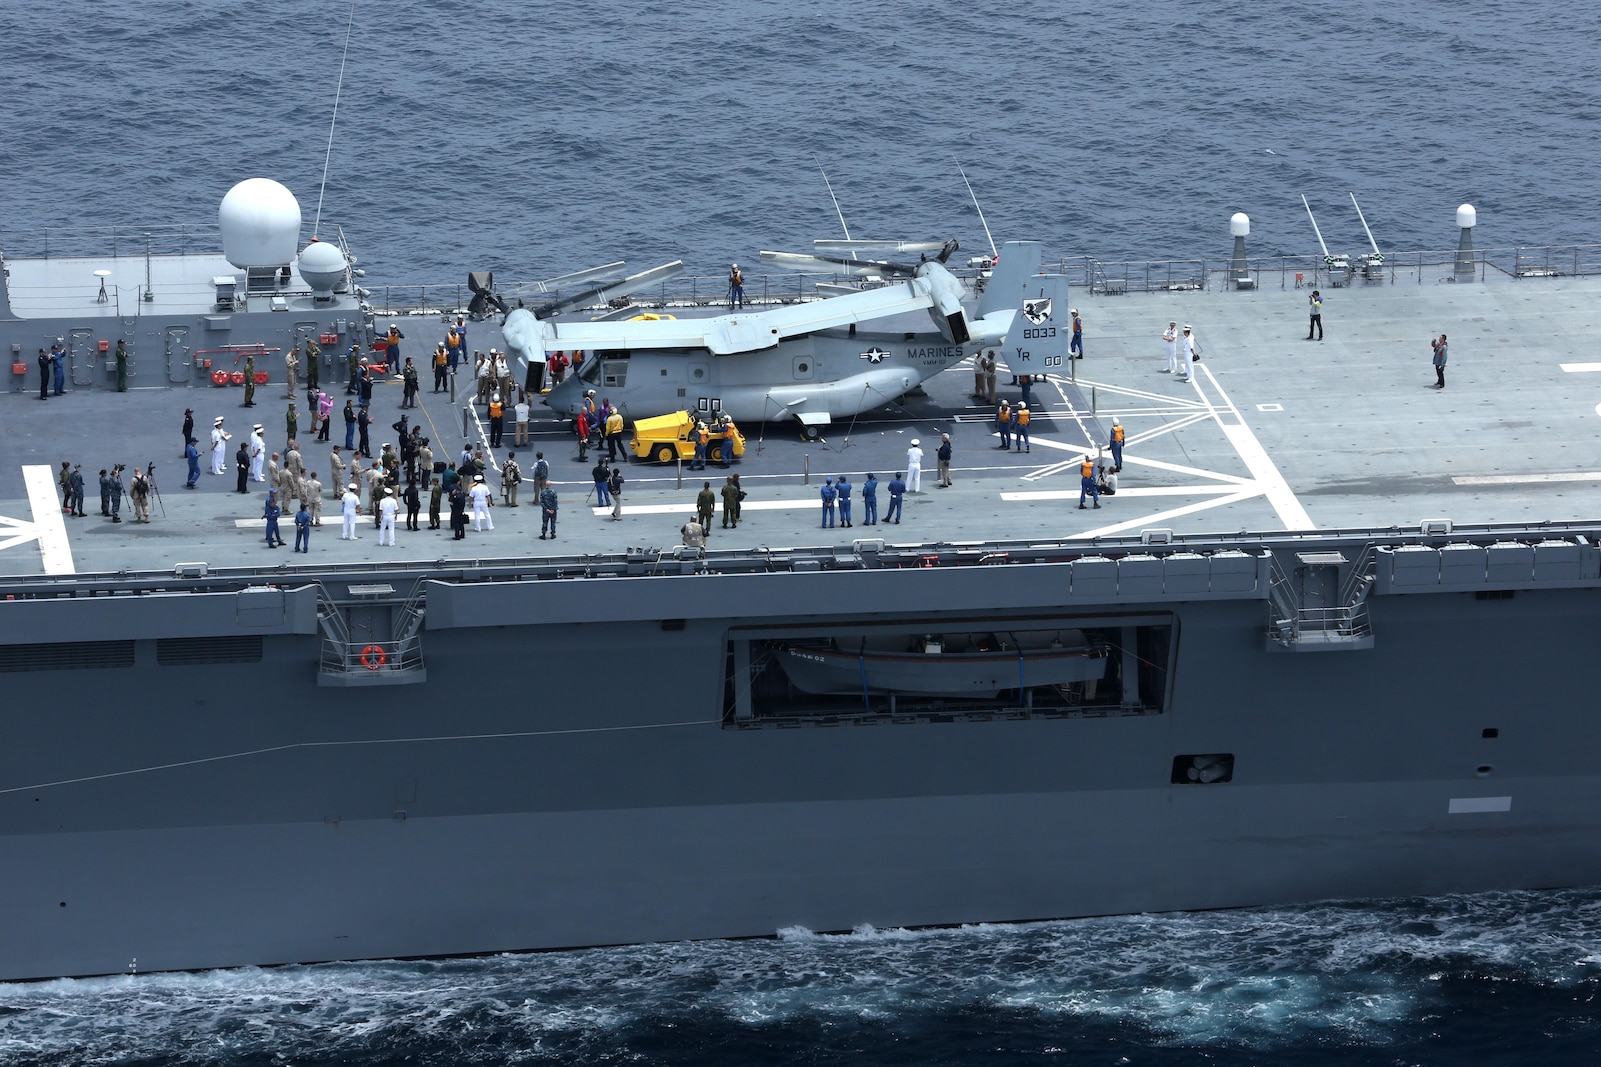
[(328, 155)]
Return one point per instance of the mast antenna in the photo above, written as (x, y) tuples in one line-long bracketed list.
[(993, 252), (829, 185), (328, 155)]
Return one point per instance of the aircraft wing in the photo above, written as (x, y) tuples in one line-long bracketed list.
[(725, 335)]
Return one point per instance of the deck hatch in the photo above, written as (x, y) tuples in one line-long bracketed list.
[(198, 651), (66, 656)]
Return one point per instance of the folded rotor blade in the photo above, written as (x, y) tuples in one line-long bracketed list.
[(881, 248), (598, 294)]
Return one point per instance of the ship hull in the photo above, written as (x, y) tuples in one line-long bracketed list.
[(263, 818)]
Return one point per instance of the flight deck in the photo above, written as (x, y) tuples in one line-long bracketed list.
[(1272, 433)]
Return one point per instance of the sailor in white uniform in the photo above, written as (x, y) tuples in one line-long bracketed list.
[(350, 504), (258, 454), (386, 522), (914, 468), (219, 446), (483, 500), (1171, 336)]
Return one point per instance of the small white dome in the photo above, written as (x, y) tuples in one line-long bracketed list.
[(322, 266), (260, 221), (1466, 217), (1239, 224)]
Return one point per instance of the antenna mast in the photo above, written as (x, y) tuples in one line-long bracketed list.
[(328, 155), (829, 185), (993, 252)]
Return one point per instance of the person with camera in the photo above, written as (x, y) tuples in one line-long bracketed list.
[(117, 490)]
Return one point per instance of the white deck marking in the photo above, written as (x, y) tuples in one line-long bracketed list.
[(1162, 516), (1257, 461), (55, 552), (1521, 479), (688, 507), (1581, 368), (1147, 490)]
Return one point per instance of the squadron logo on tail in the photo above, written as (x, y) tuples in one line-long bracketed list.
[(1037, 311)]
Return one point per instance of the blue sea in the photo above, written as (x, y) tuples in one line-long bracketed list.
[(534, 138)]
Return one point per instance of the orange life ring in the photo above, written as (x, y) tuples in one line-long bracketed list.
[(237, 377), (261, 377), (373, 657), (219, 377)]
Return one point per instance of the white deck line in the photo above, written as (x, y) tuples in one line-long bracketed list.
[(55, 551), (1148, 490), (1580, 368), (1523, 479), (1258, 462), (1146, 521)]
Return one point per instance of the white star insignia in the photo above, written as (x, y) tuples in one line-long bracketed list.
[(875, 355)]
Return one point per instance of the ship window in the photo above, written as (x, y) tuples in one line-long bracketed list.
[(614, 373), (66, 656), (1212, 768), (195, 651), (1490, 732), (1494, 594)]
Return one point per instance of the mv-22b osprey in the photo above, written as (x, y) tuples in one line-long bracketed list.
[(814, 362)]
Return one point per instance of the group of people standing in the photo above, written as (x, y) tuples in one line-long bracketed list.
[(112, 489)]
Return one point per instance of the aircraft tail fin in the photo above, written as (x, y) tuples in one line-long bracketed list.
[(1037, 342), (1019, 263)]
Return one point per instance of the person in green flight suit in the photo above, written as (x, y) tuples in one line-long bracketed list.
[(250, 381), (122, 365)]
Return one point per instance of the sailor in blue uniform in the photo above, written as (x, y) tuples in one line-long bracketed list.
[(870, 500), (828, 493), (271, 512), (897, 489), (842, 486)]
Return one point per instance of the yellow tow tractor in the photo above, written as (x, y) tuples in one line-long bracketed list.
[(667, 437)]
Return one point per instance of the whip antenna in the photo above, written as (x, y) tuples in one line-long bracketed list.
[(829, 185), (993, 252), (328, 155)]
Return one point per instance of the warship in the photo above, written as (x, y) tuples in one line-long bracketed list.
[(1323, 642)]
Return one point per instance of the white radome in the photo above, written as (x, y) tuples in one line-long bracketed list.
[(322, 266), (260, 222), (1466, 217), (1239, 224)]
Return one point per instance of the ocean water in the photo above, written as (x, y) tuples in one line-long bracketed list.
[(535, 138)]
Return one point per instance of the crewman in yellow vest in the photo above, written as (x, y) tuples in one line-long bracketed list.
[(614, 434), (1117, 446), (1086, 482)]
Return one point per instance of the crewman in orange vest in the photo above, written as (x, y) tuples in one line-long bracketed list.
[(1117, 446), (1022, 427), (728, 441), (1086, 482)]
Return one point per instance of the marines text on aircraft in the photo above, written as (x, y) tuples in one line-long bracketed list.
[(812, 362)]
